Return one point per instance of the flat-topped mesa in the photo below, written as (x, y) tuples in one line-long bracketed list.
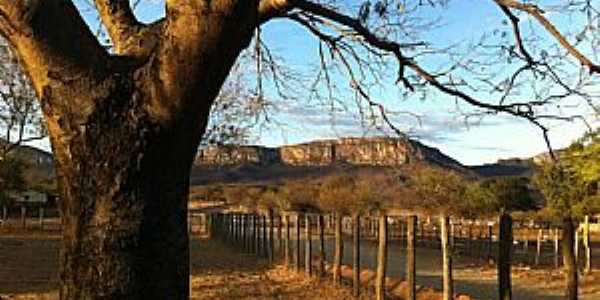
[(377, 151)]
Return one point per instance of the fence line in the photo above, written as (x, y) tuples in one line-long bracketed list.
[(497, 241)]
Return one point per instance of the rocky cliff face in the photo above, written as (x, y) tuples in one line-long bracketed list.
[(354, 151)]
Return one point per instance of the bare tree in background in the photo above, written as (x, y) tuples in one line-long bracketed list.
[(125, 123), (20, 115)]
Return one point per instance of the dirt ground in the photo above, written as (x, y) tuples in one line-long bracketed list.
[(29, 270)]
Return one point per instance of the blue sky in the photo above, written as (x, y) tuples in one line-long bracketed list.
[(441, 125)]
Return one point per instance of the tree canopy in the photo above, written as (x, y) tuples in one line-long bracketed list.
[(570, 186)]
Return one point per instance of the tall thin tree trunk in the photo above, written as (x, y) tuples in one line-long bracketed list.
[(339, 250), (356, 255), (448, 282), (411, 269), (505, 257), (381, 258), (570, 264)]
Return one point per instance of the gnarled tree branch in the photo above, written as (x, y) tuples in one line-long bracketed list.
[(129, 36), (52, 56)]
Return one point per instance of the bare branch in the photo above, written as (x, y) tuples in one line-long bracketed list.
[(538, 14)]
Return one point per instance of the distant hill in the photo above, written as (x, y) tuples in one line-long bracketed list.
[(258, 164), (378, 151), (508, 167)]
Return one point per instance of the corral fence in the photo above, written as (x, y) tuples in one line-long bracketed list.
[(299, 240)]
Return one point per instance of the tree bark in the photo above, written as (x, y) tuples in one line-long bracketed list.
[(339, 250), (411, 270), (448, 281), (356, 255), (505, 257), (381, 259), (569, 261)]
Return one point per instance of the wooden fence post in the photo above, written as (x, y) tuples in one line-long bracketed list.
[(280, 234), (233, 228), (298, 241), (586, 244), (452, 234), (448, 282), (526, 241), (265, 241), (41, 217), (23, 216), (356, 255), (577, 246), (381, 258), (286, 249), (569, 260), (4, 215), (411, 273), (339, 250), (321, 229), (538, 251), (255, 244), (308, 246), (556, 252), (490, 240), (470, 237), (505, 256), (271, 252)]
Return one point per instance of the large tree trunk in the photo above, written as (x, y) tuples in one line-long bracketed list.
[(124, 203)]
